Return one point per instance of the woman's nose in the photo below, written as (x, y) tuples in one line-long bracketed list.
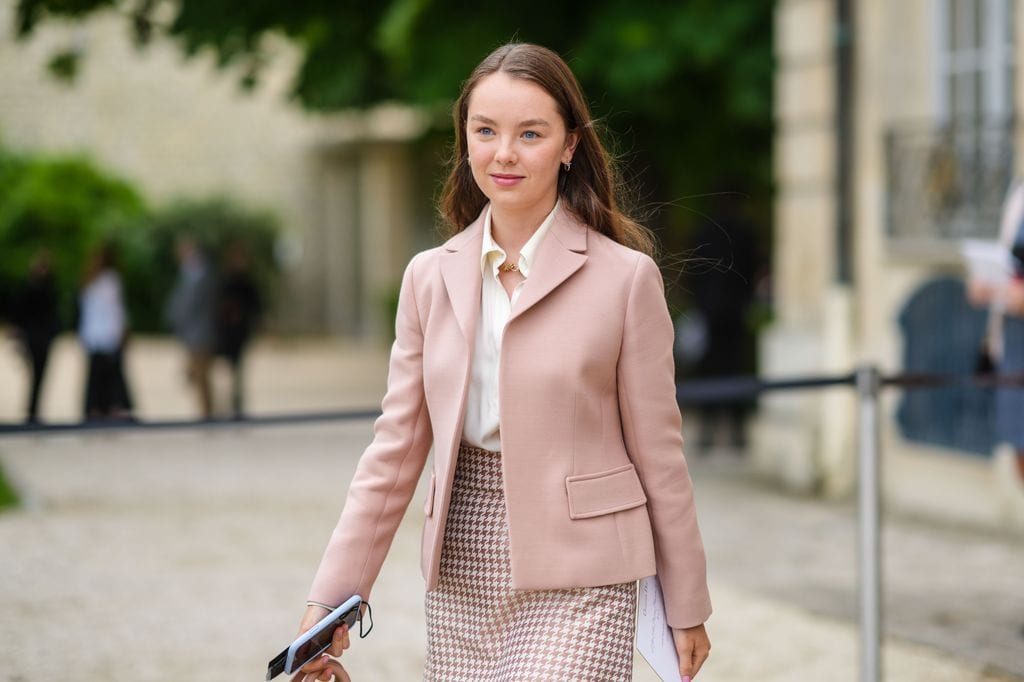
[(506, 153)]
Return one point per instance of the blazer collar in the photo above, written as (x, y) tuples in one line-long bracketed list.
[(460, 270), (561, 253)]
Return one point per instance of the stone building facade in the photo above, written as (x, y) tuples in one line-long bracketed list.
[(343, 186), (896, 139)]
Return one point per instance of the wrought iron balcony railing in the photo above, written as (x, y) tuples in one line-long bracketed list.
[(947, 183)]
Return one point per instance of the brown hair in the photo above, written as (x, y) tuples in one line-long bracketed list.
[(588, 190)]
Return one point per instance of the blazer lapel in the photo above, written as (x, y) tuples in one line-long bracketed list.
[(460, 270), (562, 253)]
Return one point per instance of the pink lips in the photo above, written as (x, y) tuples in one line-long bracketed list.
[(502, 180)]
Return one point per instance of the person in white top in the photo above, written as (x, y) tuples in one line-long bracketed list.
[(103, 330)]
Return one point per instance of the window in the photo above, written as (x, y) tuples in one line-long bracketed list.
[(947, 180), (975, 61)]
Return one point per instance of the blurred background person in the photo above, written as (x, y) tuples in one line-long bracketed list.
[(192, 312), (1005, 340), (103, 331), (241, 307), (36, 321)]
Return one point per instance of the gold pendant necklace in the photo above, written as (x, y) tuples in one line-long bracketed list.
[(508, 267)]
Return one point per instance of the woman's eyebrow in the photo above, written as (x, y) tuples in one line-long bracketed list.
[(529, 123)]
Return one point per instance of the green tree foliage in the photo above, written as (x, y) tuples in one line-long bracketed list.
[(66, 206), (217, 225), (685, 86)]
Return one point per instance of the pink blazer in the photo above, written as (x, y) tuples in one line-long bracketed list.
[(596, 485)]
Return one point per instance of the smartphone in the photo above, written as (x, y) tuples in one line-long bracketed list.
[(315, 640)]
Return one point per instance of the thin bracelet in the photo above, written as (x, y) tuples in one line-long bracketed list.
[(320, 604)]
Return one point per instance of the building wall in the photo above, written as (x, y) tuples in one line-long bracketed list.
[(180, 128), (824, 326), (794, 437)]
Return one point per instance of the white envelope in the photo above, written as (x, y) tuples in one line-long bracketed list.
[(987, 261), (653, 635)]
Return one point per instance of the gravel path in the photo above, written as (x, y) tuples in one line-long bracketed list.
[(187, 555)]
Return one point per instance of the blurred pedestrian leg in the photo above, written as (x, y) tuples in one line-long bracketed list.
[(198, 374)]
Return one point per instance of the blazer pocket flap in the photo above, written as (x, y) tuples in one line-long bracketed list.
[(604, 492), (428, 504)]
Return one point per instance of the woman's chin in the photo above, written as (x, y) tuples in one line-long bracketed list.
[(507, 198)]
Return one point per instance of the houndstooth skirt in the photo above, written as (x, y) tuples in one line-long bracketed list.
[(481, 630)]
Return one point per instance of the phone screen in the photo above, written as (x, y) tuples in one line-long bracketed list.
[(318, 642)]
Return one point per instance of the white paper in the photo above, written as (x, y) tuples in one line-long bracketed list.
[(653, 635), (988, 262)]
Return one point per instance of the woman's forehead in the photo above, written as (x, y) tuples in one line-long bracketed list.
[(501, 99)]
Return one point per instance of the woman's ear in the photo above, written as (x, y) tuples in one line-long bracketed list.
[(571, 140)]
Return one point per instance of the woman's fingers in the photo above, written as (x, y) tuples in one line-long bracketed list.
[(684, 647), (335, 672), (322, 669), (331, 670), (700, 654), (315, 666), (340, 641), (693, 647)]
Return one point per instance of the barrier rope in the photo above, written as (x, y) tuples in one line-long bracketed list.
[(688, 393)]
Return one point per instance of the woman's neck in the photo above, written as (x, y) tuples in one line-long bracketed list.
[(512, 229)]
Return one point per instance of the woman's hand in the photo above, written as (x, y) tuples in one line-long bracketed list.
[(1012, 294), (693, 646), (980, 293), (1015, 297), (323, 668)]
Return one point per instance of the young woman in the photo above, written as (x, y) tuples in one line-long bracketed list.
[(533, 351)]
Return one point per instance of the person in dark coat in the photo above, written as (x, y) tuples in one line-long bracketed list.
[(36, 319), (240, 309)]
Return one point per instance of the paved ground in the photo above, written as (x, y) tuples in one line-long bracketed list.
[(186, 555)]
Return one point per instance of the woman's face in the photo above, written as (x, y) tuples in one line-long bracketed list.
[(517, 141)]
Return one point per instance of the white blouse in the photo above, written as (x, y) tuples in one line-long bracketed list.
[(481, 427), (102, 318)]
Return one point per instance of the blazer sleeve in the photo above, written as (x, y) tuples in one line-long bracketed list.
[(387, 473), (652, 429)]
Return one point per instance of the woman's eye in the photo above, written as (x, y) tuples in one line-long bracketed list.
[(530, 135), (484, 131)]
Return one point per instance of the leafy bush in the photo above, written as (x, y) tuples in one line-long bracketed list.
[(215, 224), (8, 496), (69, 206), (64, 205)]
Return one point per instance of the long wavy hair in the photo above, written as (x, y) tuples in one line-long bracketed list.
[(588, 190)]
